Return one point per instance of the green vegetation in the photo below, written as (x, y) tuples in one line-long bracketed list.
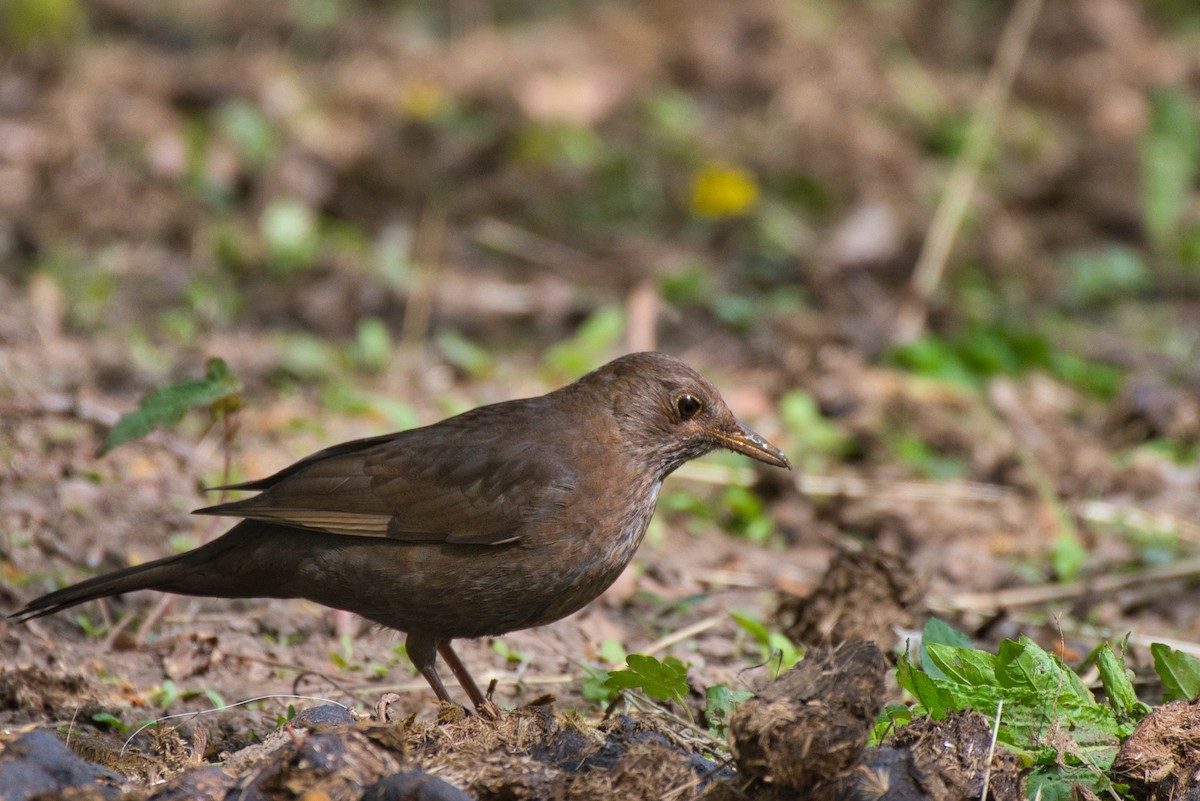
[(219, 391)]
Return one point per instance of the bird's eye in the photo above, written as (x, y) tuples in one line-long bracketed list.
[(688, 405)]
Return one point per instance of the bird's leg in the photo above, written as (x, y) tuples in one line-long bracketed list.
[(420, 650), (482, 705)]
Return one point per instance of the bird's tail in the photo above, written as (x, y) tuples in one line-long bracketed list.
[(214, 569), (155, 575)]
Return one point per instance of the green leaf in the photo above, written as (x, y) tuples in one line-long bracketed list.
[(1118, 686), (470, 357), (290, 229), (590, 343), (938, 632), (1105, 275), (372, 350), (111, 720), (1068, 554), (164, 407), (250, 131), (754, 628), (1024, 665), (929, 695), (167, 694), (595, 688), (719, 701), (960, 665), (1179, 672), (612, 652), (1170, 158), (890, 719), (665, 680), (773, 646)]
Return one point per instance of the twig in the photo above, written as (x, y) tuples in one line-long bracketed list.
[(418, 307), (1049, 593), (539, 250), (642, 305), (947, 218), (1118, 513), (685, 633)]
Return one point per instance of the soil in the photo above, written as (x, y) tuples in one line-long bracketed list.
[(450, 154)]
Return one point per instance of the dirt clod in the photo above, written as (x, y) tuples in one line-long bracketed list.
[(1161, 759), (863, 596), (947, 760), (413, 785), (38, 692), (38, 765), (206, 782), (338, 764), (810, 726)]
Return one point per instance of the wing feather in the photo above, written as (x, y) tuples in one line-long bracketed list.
[(467, 480)]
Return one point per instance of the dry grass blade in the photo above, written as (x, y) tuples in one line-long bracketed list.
[(1070, 590), (947, 219)]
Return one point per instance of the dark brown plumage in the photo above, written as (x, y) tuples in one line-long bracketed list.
[(505, 517)]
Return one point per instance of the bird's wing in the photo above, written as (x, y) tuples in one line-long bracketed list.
[(467, 480)]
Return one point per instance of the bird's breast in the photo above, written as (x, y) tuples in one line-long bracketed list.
[(582, 555)]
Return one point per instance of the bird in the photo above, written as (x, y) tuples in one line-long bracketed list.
[(505, 517)]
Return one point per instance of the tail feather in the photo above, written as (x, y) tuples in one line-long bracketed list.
[(154, 575)]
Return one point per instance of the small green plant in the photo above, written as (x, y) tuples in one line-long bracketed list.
[(773, 647), (612, 652), (812, 437), (250, 131), (373, 346), (290, 230), (1179, 673), (1048, 715), (501, 649), (1170, 163), (663, 681), (344, 660), (93, 630), (285, 719), (985, 351), (165, 694), (465, 355), (595, 687), (109, 719), (283, 640), (593, 339), (918, 454), (33, 24), (219, 390), (1101, 276), (719, 702), (748, 514)]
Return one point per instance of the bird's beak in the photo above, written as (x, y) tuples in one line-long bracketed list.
[(745, 441)]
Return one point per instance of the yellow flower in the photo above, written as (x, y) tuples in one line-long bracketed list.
[(721, 191), (423, 100)]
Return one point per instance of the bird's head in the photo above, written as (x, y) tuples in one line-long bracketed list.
[(669, 414)]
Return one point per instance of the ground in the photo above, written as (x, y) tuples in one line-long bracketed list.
[(382, 214)]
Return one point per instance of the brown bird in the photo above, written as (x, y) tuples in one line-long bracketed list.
[(505, 517)]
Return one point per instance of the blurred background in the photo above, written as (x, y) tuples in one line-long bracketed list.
[(945, 252), (469, 179)]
